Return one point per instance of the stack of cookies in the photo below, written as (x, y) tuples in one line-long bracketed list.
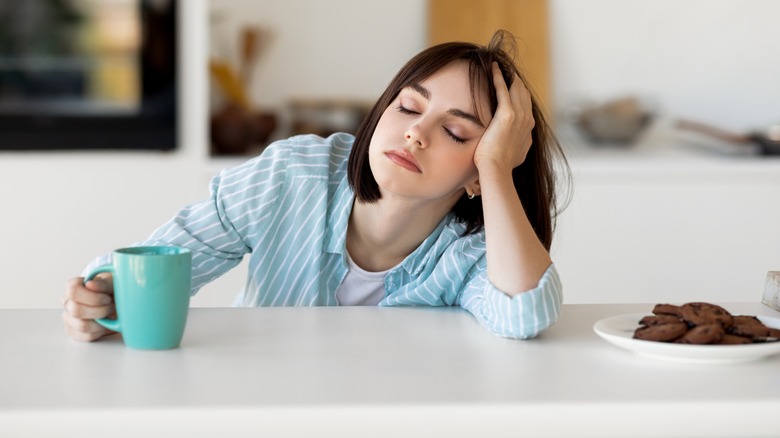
[(702, 323)]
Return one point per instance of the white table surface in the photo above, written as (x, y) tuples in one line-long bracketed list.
[(372, 372)]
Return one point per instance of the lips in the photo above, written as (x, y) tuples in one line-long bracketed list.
[(404, 159)]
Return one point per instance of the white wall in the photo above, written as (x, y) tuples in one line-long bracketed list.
[(711, 60), (344, 49), (314, 49)]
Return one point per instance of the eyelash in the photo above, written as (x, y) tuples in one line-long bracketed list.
[(454, 138)]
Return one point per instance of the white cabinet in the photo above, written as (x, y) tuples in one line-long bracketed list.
[(669, 227)]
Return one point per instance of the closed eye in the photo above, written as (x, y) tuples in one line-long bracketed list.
[(454, 137), (403, 110)]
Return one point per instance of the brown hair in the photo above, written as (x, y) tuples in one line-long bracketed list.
[(534, 179)]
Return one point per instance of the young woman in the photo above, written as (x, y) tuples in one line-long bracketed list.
[(445, 196)]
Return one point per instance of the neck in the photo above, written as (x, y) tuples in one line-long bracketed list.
[(381, 234)]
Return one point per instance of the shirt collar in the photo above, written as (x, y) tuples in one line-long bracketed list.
[(338, 219), (440, 237)]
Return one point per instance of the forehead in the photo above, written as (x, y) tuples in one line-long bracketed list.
[(452, 85)]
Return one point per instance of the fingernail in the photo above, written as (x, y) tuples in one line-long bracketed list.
[(106, 300)]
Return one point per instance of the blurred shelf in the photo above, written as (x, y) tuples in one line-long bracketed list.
[(324, 117), (663, 151)]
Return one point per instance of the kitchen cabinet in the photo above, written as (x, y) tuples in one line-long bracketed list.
[(662, 224)]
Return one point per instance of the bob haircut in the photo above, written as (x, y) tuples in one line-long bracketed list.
[(534, 179)]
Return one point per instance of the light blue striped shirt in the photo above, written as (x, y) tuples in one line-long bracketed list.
[(289, 208)]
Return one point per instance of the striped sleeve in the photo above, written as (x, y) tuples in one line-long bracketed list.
[(217, 230), (521, 316)]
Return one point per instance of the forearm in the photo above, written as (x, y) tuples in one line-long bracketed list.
[(516, 259), (520, 316)]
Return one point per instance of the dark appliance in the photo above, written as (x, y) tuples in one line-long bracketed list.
[(89, 75)]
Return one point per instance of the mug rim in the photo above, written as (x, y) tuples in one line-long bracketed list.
[(153, 250)]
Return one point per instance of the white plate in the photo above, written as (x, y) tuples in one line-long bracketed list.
[(619, 330)]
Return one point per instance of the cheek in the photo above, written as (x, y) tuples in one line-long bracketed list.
[(381, 133), (456, 167), (459, 157), (387, 123)]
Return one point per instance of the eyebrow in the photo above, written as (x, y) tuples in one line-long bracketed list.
[(424, 92), (464, 115)]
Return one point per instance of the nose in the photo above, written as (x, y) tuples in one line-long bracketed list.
[(414, 135)]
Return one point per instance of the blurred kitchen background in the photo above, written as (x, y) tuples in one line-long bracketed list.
[(668, 111)]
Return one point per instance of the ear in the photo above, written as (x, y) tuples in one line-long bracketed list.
[(474, 188)]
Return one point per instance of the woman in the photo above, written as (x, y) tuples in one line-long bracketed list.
[(445, 196)]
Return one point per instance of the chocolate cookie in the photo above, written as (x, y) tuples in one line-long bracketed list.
[(667, 309), (651, 320), (753, 331), (662, 333), (747, 320), (696, 314), (734, 340), (703, 334)]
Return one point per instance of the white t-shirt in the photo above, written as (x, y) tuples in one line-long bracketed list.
[(361, 287)]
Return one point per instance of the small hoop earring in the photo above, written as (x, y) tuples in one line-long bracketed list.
[(472, 196)]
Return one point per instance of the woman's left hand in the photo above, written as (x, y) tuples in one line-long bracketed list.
[(507, 139)]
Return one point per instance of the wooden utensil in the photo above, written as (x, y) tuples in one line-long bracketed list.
[(230, 84), (250, 39)]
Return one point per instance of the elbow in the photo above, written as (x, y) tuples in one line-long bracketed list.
[(526, 315)]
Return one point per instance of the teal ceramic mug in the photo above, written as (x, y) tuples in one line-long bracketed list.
[(152, 295)]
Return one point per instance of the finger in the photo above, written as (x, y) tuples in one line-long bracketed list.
[(91, 294), (523, 104), (502, 92), (83, 329), (520, 93), (83, 311)]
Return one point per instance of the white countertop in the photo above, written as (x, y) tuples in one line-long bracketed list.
[(372, 372)]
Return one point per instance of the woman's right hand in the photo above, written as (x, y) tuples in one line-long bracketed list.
[(85, 302)]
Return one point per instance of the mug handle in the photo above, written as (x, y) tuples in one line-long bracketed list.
[(111, 324)]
